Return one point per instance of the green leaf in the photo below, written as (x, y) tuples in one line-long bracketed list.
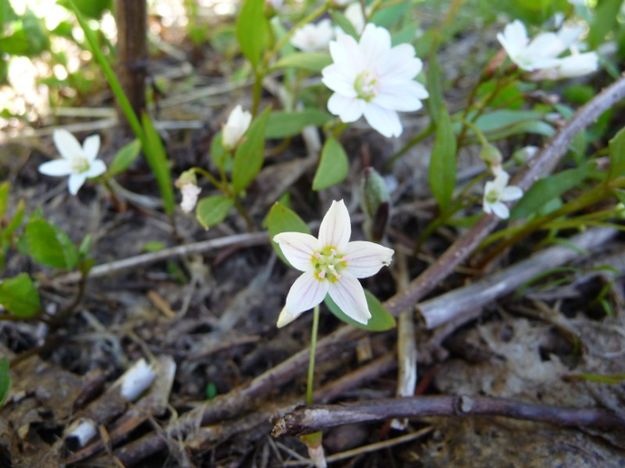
[(282, 219), (15, 222), (333, 165), (342, 22), (4, 198), (252, 30), (442, 170), (311, 61), (250, 154), (287, 124), (548, 188), (157, 160), (5, 380), (93, 8), (435, 88), (381, 319), (213, 210), (220, 157), (604, 20), (124, 158), (19, 296), (617, 155), (387, 17), (50, 246)]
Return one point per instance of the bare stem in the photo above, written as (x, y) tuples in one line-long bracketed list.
[(311, 359)]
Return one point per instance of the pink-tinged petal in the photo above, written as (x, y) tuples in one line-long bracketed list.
[(305, 293), (339, 80), (511, 193), (91, 146), (501, 210), (336, 227), (298, 248), (375, 42), (403, 97), (67, 144), (365, 259), (348, 294), (74, 182), (400, 64), (97, 168), (56, 168), (348, 109), (383, 120)]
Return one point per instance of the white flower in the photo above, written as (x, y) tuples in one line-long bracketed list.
[(354, 14), (77, 162), (541, 54), (569, 67), (238, 122), (497, 191), (330, 265), (313, 37), (373, 79), (190, 193)]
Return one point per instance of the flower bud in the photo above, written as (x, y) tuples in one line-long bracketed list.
[(237, 124), (491, 155)]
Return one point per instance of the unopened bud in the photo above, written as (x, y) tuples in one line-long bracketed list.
[(491, 155)]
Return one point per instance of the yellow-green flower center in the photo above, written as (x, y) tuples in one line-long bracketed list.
[(492, 196), (80, 164), (366, 86), (327, 264)]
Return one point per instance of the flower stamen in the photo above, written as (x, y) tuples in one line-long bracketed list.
[(366, 86)]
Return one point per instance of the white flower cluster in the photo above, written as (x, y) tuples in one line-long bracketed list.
[(543, 55)]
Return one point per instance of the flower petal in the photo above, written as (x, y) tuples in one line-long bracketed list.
[(56, 168), (501, 210), (91, 146), (375, 42), (349, 109), (97, 168), (305, 294), (75, 181), (404, 96), (339, 79), (385, 121), (400, 63), (365, 259), (511, 193), (298, 248), (348, 294), (67, 144), (336, 227), (345, 52)]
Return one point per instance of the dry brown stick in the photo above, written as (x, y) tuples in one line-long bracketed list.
[(132, 51), (322, 417), (448, 306), (242, 398), (239, 240)]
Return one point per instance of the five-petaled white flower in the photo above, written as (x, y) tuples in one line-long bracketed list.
[(330, 265), (373, 79), (497, 191), (78, 162), (313, 37), (236, 125), (541, 54)]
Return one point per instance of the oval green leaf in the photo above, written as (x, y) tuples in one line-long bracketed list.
[(50, 246), (333, 165), (213, 210), (282, 219), (124, 158), (311, 61), (19, 296), (287, 124), (381, 319)]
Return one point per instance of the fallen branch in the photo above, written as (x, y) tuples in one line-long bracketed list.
[(447, 307), (322, 417), (239, 240), (242, 398)]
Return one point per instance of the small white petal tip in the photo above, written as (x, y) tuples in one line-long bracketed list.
[(136, 379)]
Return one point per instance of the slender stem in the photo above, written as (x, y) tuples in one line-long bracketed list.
[(257, 91), (418, 138), (311, 359), (244, 214)]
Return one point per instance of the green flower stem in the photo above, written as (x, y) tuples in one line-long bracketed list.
[(213, 180), (311, 359), (415, 140)]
